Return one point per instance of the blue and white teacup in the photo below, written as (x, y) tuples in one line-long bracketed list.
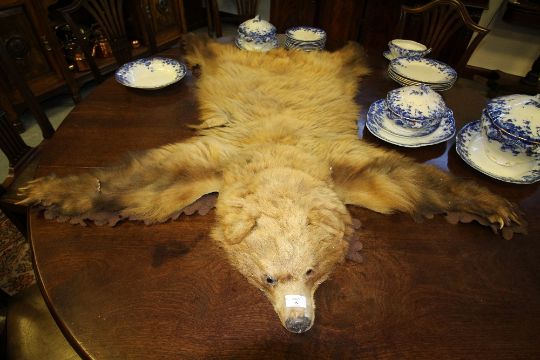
[(511, 129), (407, 48)]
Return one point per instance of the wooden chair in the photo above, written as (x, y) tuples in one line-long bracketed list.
[(109, 16), (438, 24), (213, 19), (18, 81), (28, 330), (247, 9), (22, 164), (21, 157)]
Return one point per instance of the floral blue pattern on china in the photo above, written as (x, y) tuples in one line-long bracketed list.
[(150, 73), (388, 55), (417, 103), (507, 142), (517, 115), (420, 128), (470, 147), (379, 124), (257, 30), (258, 47), (408, 48), (424, 70)]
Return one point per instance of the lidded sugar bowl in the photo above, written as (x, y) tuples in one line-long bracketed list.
[(416, 107)]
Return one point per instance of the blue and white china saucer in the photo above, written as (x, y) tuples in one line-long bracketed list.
[(150, 73), (470, 147), (423, 70), (388, 55), (257, 47), (379, 124)]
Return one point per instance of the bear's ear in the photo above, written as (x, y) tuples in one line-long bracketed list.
[(238, 219), (236, 230)]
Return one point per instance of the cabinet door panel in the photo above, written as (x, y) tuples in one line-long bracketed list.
[(23, 43), (166, 20)]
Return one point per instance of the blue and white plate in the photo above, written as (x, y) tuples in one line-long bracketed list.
[(407, 82), (150, 73), (305, 38), (423, 70), (470, 147), (380, 124), (306, 34)]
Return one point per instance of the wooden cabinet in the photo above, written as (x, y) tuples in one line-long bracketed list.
[(35, 53), (27, 30)]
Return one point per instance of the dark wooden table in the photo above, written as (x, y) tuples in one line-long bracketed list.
[(425, 291)]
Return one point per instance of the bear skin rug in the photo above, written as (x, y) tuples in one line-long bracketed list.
[(278, 143)]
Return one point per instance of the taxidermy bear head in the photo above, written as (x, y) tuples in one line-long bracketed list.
[(284, 230)]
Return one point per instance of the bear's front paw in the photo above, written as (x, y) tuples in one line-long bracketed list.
[(42, 191), (504, 216), (69, 196)]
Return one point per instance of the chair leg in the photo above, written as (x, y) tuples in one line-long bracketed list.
[(214, 21), (216, 18), (12, 72), (5, 104)]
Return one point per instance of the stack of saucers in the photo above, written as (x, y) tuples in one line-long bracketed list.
[(418, 70), (505, 142), (256, 35), (305, 38), (411, 116)]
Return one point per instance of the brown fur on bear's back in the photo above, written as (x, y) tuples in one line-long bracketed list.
[(260, 97)]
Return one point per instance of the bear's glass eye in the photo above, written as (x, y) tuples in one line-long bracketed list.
[(270, 280), (309, 272)]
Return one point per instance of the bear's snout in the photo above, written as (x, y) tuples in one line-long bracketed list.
[(298, 324)]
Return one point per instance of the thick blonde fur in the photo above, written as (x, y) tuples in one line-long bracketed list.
[(278, 142)]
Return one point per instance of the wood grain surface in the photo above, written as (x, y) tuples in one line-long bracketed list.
[(425, 291)]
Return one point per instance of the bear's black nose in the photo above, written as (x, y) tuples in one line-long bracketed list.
[(298, 324)]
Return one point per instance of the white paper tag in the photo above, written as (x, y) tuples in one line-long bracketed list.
[(295, 301)]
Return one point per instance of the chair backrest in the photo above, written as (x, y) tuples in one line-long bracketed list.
[(110, 18), (438, 24), (19, 154)]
